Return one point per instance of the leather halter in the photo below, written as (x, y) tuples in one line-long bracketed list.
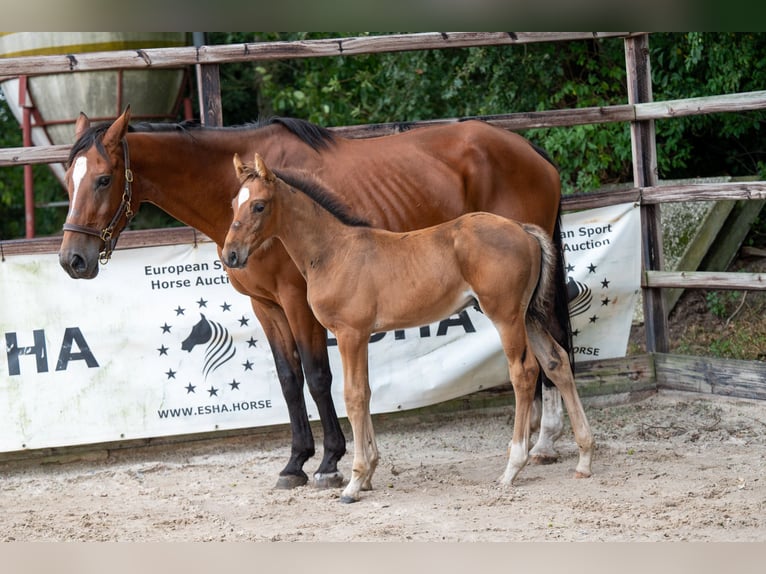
[(107, 233)]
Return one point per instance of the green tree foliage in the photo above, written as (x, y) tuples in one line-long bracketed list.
[(47, 188), (411, 86)]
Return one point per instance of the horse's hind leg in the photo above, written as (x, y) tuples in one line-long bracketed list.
[(555, 362), (524, 370), (551, 426)]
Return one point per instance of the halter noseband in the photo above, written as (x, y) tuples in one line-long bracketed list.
[(106, 234)]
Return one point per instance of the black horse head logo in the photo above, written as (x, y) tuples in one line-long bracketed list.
[(220, 348)]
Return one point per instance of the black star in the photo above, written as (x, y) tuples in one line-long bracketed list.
[(591, 268), (570, 268), (163, 350), (234, 384), (165, 328), (593, 319), (251, 342), (179, 311), (190, 388), (226, 306), (201, 303), (575, 332), (605, 301), (243, 321), (605, 284), (248, 365), (171, 374), (213, 391)]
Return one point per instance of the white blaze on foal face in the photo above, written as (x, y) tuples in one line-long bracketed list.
[(244, 195), (79, 171)]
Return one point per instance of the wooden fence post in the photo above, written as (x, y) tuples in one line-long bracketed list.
[(208, 88), (643, 143)]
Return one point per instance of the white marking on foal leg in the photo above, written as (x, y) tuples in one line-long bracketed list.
[(244, 195), (79, 171), (517, 458), (551, 427)]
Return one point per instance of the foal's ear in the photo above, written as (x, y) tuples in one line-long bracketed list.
[(82, 124), (239, 167), (263, 172), (118, 129)]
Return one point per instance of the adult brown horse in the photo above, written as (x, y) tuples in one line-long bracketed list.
[(401, 182), (361, 280)]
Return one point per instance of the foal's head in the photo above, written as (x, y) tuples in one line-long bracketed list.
[(253, 208)]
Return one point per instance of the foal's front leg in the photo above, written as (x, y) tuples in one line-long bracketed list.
[(356, 392)]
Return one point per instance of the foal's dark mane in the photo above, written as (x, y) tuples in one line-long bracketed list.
[(317, 137), (309, 185)]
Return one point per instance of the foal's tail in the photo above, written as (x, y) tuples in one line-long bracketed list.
[(543, 296)]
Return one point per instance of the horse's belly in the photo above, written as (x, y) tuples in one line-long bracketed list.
[(416, 313)]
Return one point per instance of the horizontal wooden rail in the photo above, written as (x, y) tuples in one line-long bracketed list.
[(516, 121), (705, 280), (249, 52)]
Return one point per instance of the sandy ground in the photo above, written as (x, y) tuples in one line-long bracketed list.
[(670, 467)]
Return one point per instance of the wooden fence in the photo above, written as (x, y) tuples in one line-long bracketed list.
[(661, 369)]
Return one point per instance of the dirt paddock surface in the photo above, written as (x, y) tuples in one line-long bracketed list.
[(671, 467)]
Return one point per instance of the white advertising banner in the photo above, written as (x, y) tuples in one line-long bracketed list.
[(160, 344)]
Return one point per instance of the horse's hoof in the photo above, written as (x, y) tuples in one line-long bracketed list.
[(579, 474), (289, 481), (348, 499), (543, 459), (328, 480)]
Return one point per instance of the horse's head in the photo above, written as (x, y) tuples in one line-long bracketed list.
[(98, 180), (253, 211)]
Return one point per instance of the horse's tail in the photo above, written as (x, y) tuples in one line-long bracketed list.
[(544, 291), (563, 334)]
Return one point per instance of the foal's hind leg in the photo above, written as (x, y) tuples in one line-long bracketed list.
[(524, 370), (554, 361)]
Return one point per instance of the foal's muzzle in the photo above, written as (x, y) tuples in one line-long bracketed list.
[(234, 258)]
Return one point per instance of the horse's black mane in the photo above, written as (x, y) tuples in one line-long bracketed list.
[(308, 184), (318, 137)]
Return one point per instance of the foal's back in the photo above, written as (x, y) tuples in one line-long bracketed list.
[(381, 280)]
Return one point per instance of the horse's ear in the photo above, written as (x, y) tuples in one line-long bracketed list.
[(118, 129), (82, 124), (263, 171), (239, 167)]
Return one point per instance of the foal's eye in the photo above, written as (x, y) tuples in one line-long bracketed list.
[(258, 207), (103, 181)]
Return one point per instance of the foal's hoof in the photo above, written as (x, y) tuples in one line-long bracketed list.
[(348, 499), (289, 481), (328, 480), (543, 459), (580, 474)]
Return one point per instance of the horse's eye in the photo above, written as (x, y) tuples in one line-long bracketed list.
[(258, 207), (103, 181)]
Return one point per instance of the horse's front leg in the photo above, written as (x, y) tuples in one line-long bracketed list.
[(287, 361), (311, 338), (356, 392)]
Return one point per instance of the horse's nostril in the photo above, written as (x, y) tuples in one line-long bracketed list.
[(233, 258), (77, 263)]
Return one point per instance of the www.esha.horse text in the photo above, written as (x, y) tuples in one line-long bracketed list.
[(180, 274)]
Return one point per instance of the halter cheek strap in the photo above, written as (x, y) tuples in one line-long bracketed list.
[(107, 233)]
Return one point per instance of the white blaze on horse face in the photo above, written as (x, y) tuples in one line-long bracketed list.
[(244, 195), (79, 171)]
